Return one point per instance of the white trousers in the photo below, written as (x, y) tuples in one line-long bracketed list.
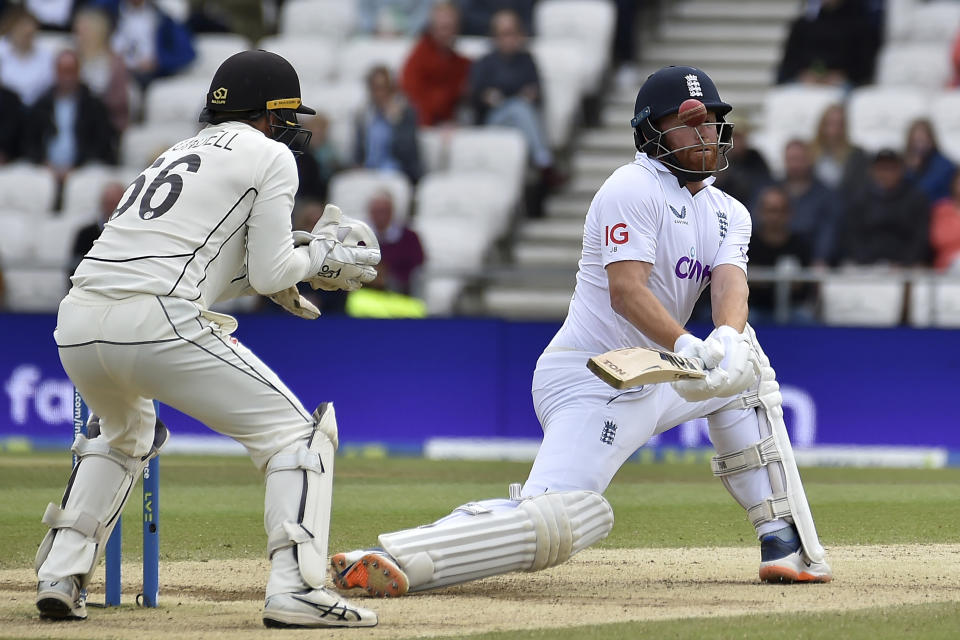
[(590, 429), (123, 354)]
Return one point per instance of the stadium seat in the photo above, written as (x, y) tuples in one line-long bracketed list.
[(82, 188), (34, 290), (935, 301), (495, 150), (564, 79), (452, 253), (212, 49), (28, 188), (54, 41), (476, 201), (142, 144), (591, 22), (351, 191), (868, 300), (16, 237), (178, 99), (360, 55), (934, 23), (473, 47), (327, 18), (54, 236), (945, 116), (340, 103), (926, 66), (795, 110), (314, 58), (879, 116), (434, 147)]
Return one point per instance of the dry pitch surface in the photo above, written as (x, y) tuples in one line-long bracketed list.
[(223, 599)]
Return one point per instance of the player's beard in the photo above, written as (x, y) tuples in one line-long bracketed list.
[(699, 158)]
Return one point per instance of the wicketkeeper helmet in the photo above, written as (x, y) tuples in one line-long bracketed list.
[(251, 83)]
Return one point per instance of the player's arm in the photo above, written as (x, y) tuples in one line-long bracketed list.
[(632, 299), (728, 296)]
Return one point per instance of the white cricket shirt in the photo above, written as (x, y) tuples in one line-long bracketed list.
[(642, 213), (209, 211)]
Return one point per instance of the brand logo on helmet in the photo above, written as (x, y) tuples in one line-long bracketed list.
[(693, 85), (219, 96)]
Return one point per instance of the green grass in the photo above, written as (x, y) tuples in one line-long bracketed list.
[(938, 621), (212, 507)]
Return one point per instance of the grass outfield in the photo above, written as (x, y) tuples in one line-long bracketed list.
[(212, 509)]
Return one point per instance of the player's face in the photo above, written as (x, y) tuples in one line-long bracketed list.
[(696, 148)]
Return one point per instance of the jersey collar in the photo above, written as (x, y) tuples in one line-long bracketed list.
[(644, 159)]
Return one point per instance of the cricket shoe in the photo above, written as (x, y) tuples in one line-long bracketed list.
[(373, 570), (782, 559), (315, 608), (61, 599)]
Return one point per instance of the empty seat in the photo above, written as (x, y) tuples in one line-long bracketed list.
[(475, 201), (315, 59), (327, 18), (83, 186), (564, 78), (935, 301), (589, 21), (17, 232), (340, 103), (212, 49), (933, 23), (867, 300), (879, 116), (945, 117), (434, 147), (360, 55), (473, 47), (141, 145), (177, 100), (922, 65), (54, 241), (352, 190), (28, 188), (34, 290), (501, 151), (795, 110)]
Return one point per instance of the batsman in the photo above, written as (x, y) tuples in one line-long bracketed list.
[(657, 233), (209, 220)]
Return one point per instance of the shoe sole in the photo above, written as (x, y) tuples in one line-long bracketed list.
[(786, 575), (377, 577), (292, 621), (53, 608)]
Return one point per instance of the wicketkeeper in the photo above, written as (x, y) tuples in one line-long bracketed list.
[(209, 220), (656, 234)]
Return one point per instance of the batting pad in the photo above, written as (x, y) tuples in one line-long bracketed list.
[(477, 541)]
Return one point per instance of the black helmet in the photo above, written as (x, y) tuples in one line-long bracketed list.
[(251, 83), (662, 94)]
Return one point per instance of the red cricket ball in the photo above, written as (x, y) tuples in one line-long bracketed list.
[(692, 112)]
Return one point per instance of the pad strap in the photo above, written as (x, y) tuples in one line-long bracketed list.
[(84, 447), (286, 535), (57, 518), (774, 507), (301, 459), (752, 457)]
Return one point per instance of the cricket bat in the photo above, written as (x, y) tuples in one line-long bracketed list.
[(637, 366)]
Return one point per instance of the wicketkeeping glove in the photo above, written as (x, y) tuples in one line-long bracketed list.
[(291, 300), (337, 261)]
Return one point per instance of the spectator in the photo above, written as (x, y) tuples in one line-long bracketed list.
[(774, 244), (476, 15), (837, 163), (890, 222), (393, 17), (25, 67), (82, 243), (816, 208), (11, 125), (69, 125), (748, 171), (386, 130), (945, 230), (150, 42), (505, 88), (836, 47), (324, 153), (927, 168), (100, 68), (400, 248), (435, 76)]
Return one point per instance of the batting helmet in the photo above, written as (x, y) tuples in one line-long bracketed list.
[(662, 94), (250, 84)]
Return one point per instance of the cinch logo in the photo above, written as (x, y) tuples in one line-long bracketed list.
[(690, 269), (617, 234)]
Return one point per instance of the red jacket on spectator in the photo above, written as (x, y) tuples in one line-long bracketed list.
[(945, 233), (434, 79)]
